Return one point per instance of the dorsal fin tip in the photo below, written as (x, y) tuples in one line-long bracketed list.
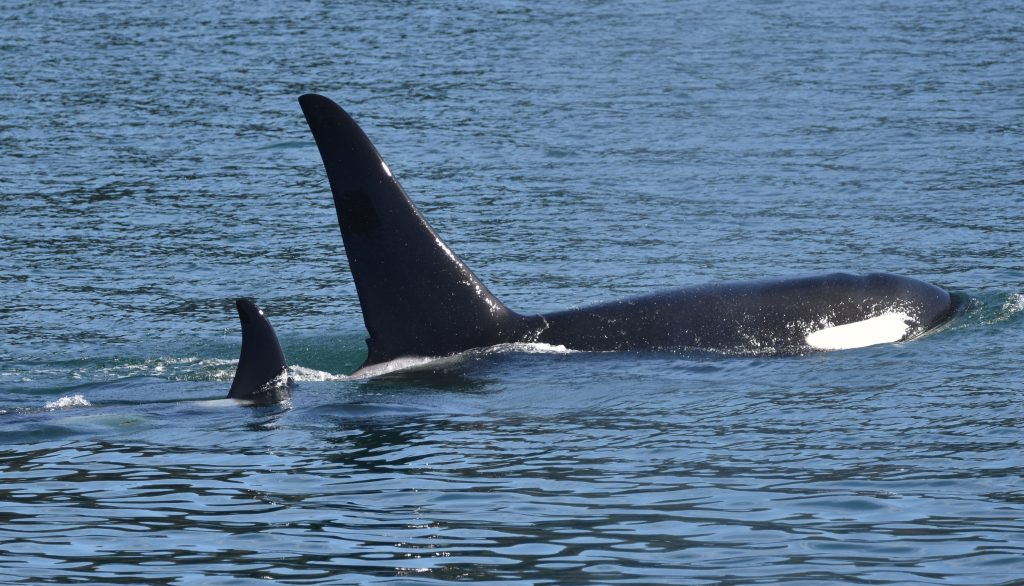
[(418, 298), (262, 372)]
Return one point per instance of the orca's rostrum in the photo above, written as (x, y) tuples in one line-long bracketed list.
[(420, 300)]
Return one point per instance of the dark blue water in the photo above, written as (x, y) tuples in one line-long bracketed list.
[(155, 166)]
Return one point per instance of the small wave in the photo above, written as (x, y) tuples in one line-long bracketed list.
[(1011, 309), (209, 369), (530, 348), (68, 402), (992, 309), (281, 380), (1014, 304), (301, 373), (170, 368)]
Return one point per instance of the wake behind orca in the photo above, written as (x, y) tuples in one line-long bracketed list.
[(419, 299)]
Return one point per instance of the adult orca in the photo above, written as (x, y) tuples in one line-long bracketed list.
[(262, 373), (419, 299)]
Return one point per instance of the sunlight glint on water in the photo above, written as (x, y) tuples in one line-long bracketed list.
[(156, 167)]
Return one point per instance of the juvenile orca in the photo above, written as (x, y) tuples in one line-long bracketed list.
[(419, 299), (262, 373)]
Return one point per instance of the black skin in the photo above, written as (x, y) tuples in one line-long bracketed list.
[(419, 299), (262, 373), (767, 316)]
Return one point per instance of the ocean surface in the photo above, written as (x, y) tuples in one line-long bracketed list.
[(155, 165)]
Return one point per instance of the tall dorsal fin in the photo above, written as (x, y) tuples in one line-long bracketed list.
[(417, 297), (262, 373)]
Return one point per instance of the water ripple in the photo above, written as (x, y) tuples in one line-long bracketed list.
[(156, 167)]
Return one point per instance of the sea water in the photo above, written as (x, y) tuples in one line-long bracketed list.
[(155, 166)]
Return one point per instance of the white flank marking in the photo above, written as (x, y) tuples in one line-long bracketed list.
[(882, 329)]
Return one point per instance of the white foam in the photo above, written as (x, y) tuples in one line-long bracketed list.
[(1014, 304), (301, 373), (174, 368), (68, 402), (524, 348), (281, 380), (881, 329)]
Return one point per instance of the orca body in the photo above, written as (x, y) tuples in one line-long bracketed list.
[(419, 299), (262, 373)]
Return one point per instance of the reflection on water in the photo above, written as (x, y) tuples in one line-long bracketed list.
[(806, 485), (156, 167), (721, 480), (536, 467)]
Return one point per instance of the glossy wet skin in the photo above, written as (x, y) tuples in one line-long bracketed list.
[(262, 372), (754, 316), (419, 299)]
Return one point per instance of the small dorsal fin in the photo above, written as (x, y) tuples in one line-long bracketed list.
[(262, 373), (418, 298)]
